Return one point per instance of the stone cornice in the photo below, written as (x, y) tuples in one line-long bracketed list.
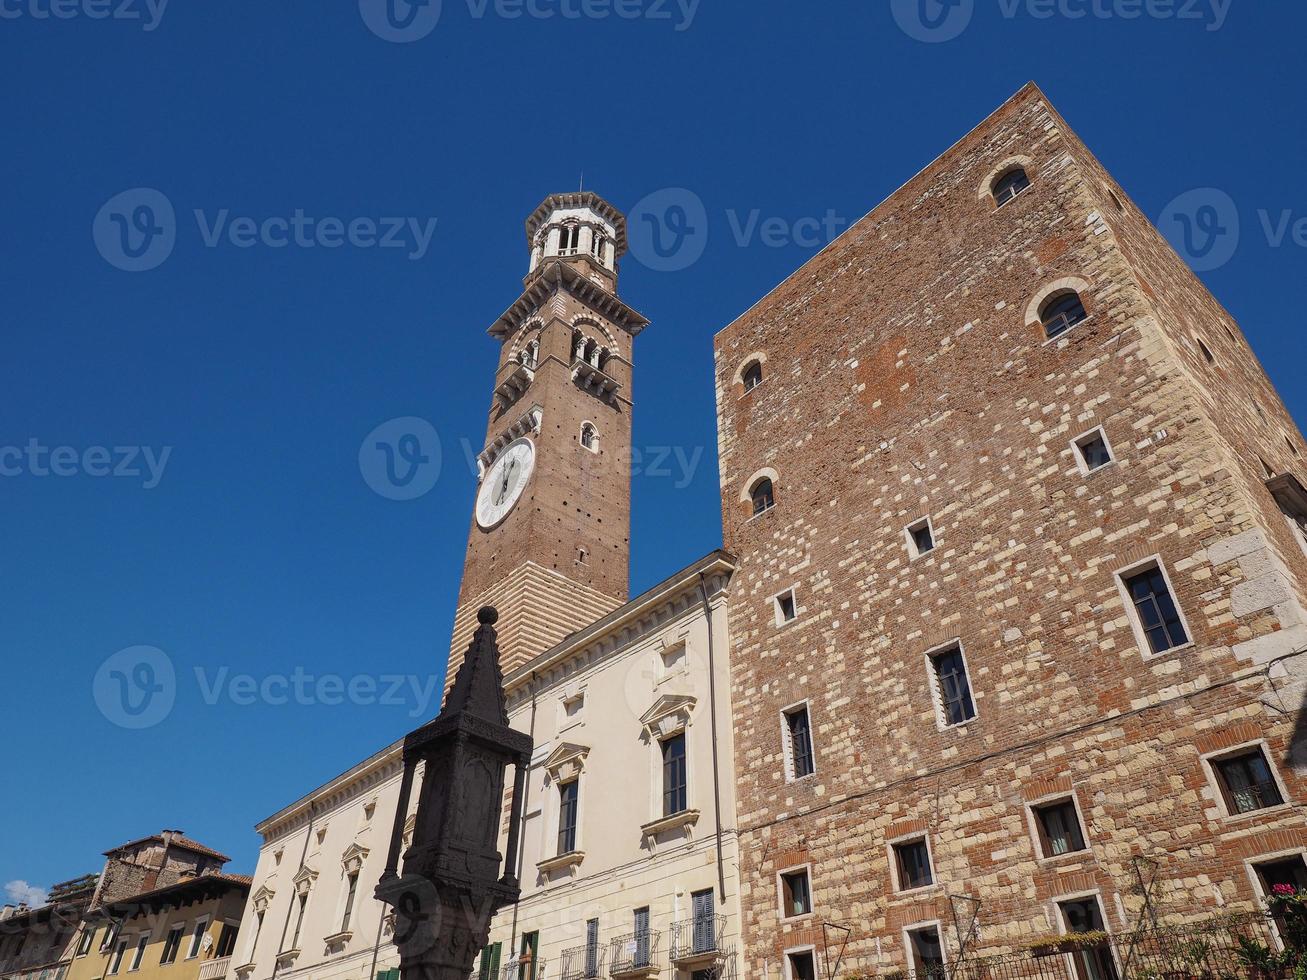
[(552, 276)]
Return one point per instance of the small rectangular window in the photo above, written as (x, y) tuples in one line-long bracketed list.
[(1059, 828), (674, 786), (139, 955), (88, 937), (226, 940), (799, 735), (1093, 451), (118, 954), (796, 893), (197, 938), (927, 953), (802, 966), (921, 538), (912, 859), (786, 610), (1246, 781), (1155, 609), (172, 943), (1091, 962), (567, 806), (952, 686)]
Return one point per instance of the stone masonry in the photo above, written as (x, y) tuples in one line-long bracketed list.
[(906, 375)]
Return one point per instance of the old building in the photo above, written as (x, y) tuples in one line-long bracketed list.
[(1017, 628), (164, 909), (39, 943)]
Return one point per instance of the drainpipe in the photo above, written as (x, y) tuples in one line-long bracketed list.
[(712, 717)]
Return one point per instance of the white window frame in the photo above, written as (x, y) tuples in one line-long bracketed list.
[(196, 945), (86, 940), (580, 437), (780, 893), (122, 943), (787, 746), (1209, 760), (790, 950), (175, 927), (1032, 822), (777, 614), (554, 821), (909, 959), (138, 952), (1132, 614), (1081, 463), (937, 691), (893, 858), (1060, 918), (657, 814), (913, 551), (1250, 866)]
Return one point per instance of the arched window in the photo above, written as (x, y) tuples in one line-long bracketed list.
[(1010, 185), (752, 375), (530, 354), (762, 496), (569, 239), (597, 246), (1061, 313), (590, 437)]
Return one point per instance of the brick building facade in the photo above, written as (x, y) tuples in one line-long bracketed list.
[(1041, 514)]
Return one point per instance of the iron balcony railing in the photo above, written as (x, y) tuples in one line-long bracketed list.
[(582, 962), (700, 935), (634, 951), (524, 970)]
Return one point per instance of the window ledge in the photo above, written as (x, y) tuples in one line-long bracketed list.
[(1260, 812), (337, 940), (1070, 857), (245, 969), (914, 892), (560, 862), (677, 821), (287, 956), (760, 514), (1168, 652)]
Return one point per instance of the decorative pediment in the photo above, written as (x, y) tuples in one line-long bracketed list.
[(262, 898), (353, 858), (566, 762), (304, 879), (669, 715)]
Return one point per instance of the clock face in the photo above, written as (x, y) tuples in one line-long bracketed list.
[(504, 482)]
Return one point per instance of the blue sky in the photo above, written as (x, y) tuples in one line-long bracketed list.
[(233, 384)]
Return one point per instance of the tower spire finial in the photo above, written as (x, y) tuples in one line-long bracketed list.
[(581, 185)]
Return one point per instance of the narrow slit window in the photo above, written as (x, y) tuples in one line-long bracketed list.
[(921, 538), (785, 608)]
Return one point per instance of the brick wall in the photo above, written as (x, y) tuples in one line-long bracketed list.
[(904, 379)]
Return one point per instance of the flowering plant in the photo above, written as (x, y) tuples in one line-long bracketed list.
[(1288, 907)]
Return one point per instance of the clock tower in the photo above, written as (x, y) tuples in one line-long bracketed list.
[(549, 545)]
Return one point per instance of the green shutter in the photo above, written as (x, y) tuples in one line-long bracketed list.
[(490, 962)]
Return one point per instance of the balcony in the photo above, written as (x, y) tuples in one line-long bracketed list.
[(214, 969), (593, 380), (524, 970), (514, 383), (697, 942), (582, 963), (634, 956)]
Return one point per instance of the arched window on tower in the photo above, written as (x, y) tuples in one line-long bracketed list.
[(530, 355), (1061, 313), (762, 496), (569, 240), (590, 437), (597, 245), (1010, 185), (752, 375)]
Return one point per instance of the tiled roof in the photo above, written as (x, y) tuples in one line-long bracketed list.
[(183, 842)]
